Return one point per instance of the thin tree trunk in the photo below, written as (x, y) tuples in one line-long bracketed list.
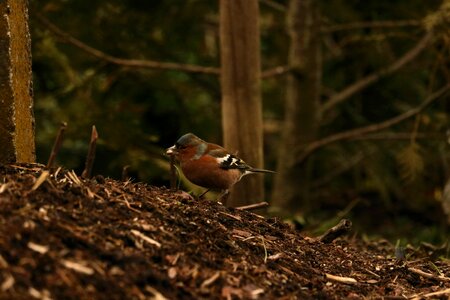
[(241, 96), (301, 118), (16, 115)]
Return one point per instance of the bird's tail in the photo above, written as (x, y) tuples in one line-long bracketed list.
[(254, 170)]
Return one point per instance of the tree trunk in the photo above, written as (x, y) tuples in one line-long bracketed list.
[(16, 114), (241, 95), (301, 118)]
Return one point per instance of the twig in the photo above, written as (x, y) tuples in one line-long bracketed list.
[(433, 294), (210, 280), (80, 268), (428, 275), (91, 154), (274, 5), (73, 177), (57, 144), (354, 133), (125, 200), (265, 249), (366, 81), (253, 206), (277, 71), (145, 238), (42, 178), (334, 232), (136, 63), (371, 24), (347, 280), (389, 136), (139, 63)]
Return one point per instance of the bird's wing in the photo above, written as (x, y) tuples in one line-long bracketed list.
[(228, 161)]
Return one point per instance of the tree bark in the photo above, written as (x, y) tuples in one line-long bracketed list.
[(301, 120), (241, 95), (16, 114)]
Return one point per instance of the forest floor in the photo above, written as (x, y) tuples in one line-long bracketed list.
[(62, 237)]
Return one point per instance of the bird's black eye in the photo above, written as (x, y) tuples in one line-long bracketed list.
[(179, 146)]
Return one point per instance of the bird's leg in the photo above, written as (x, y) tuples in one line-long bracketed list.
[(203, 194), (223, 197)]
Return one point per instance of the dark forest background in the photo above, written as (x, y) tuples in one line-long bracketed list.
[(382, 66)]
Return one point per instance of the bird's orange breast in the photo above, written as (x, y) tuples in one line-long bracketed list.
[(207, 173)]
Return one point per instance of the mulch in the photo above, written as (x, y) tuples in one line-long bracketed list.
[(64, 237)]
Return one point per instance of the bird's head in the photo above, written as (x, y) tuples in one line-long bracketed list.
[(185, 144)]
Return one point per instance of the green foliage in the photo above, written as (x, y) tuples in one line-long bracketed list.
[(410, 161), (138, 112)]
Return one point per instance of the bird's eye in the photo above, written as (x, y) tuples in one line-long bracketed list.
[(178, 146)]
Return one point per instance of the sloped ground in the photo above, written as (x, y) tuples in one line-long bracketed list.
[(66, 238)]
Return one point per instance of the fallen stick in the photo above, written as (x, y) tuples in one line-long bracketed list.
[(57, 144), (91, 154), (438, 293), (346, 280), (253, 206), (428, 275), (334, 232)]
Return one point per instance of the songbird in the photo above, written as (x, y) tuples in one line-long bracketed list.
[(209, 165)]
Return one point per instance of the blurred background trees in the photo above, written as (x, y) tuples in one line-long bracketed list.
[(343, 88)]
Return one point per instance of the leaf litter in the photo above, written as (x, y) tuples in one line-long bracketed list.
[(65, 237)]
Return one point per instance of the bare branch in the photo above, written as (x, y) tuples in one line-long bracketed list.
[(304, 152), (274, 5), (371, 25), (277, 71), (339, 170), (147, 64), (374, 77), (136, 63), (401, 136), (253, 206)]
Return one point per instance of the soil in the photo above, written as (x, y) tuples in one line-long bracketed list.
[(64, 237)]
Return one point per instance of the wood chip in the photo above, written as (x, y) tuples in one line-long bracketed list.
[(156, 294), (230, 215), (242, 233), (275, 256), (210, 280), (90, 194), (7, 283), (145, 238), (347, 280), (172, 272), (42, 178), (44, 295), (77, 267), (3, 262), (38, 248), (4, 187)]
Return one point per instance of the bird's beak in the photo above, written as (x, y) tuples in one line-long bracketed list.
[(171, 151)]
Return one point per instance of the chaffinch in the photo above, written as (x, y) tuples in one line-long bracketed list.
[(209, 165)]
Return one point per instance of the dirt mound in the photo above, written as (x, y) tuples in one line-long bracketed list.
[(62, 237)]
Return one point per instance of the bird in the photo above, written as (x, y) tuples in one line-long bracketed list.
[(209, 165)]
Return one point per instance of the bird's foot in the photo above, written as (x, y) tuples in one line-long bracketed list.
[(203, 194)]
